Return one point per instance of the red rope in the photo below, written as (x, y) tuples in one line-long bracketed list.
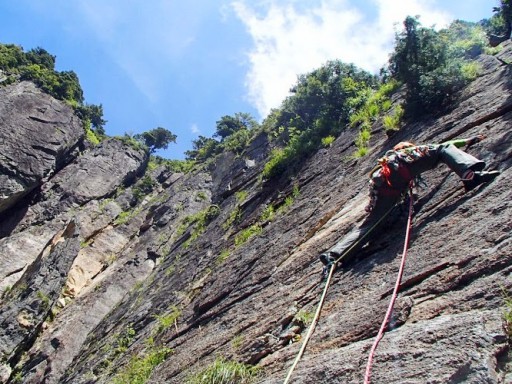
[(395, 292)]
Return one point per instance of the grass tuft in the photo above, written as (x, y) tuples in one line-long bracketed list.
[(222, 371)]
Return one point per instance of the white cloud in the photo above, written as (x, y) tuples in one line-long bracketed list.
[(289, 41), (195, 129)]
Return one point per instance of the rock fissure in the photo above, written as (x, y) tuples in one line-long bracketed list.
[(499, 112), (410, 282)]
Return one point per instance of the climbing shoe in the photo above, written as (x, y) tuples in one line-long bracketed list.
[(328, 260), (479, 178)]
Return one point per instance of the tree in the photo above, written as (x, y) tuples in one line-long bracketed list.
[(418, 50), (41, 57), (158, 138), (423, 61), (69, 87), (94, 114), (323, 100), (501, 23), (203, 149), (228, 125), (11, 57), (320, 106)]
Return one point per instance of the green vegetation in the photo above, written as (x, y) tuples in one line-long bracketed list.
[(235, 133), (183, 166), (304, 317), (158, 138), (320, 106), (268, 213), (198, 222), (201, 195), (170, 270), (123, 340), (392, 120), (224, 255), (6, 292), (140, 367), (143, 187), (132, 142), (123, 217), (236, 214), (228, 125), (431, 64), (471, 70), (241, 196), (45, 300), (222, 371), (167, 320), (204, 148), (255, 229), (91, 136), (376, 102), (278, 162), (362, 140), (237, 341), (92, 115), (10, 292), (289, 200), (38, 66), (17, 378), (499, 27), (247, 233), (327, 141)]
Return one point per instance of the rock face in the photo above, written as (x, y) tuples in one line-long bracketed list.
[(218, 263), (28, 304), (72, 192), (28, 119)]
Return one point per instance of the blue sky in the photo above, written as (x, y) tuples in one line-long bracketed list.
[(182, 65)]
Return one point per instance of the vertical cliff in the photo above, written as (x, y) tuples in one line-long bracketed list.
[(100, 279)]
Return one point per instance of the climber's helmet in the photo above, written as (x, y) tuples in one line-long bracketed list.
[(402, 145)]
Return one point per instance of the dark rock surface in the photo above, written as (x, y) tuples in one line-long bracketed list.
[(170, 269), (97, 173), (38, 135), (29, 302)]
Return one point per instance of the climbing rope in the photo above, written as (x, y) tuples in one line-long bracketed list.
[(395, 291), (322, 298), (311, 327)]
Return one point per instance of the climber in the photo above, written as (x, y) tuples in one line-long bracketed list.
[(390, 179)]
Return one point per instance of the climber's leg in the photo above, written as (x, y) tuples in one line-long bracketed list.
[(345, 250), (459, 161)]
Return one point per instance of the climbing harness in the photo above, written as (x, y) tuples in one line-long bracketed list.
[(392, 167), (395, 291), (327, 283)]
